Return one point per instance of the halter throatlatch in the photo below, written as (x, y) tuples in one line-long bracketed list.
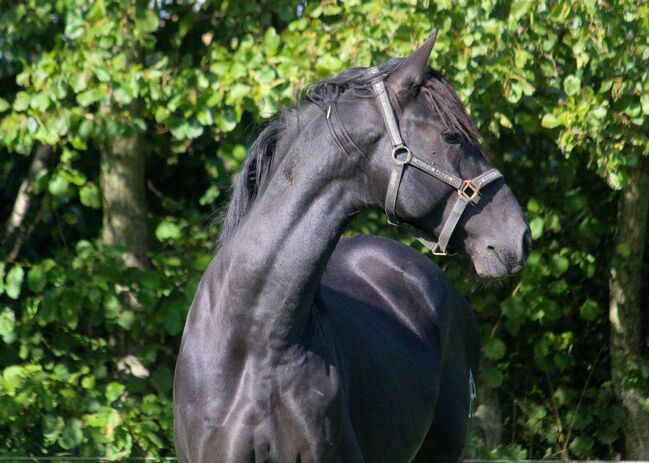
[(468, 190)]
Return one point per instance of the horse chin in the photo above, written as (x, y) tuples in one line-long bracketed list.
[(488, 264)]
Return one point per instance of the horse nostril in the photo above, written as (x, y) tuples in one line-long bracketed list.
[(527, 243)]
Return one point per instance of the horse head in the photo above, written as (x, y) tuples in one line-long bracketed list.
[(426, 165)]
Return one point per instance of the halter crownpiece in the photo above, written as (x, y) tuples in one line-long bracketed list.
[(468, 190)]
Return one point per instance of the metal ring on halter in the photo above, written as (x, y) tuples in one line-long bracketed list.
[(399, 150)]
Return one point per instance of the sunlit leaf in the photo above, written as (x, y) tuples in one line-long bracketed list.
[(167, 231), (14, 281), (113, 391)]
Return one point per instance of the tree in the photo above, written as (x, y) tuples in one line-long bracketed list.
[(627, 357)]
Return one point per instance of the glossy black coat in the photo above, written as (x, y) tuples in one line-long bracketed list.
[(379, 373)]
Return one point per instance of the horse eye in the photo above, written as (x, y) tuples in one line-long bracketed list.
[(451, 137)]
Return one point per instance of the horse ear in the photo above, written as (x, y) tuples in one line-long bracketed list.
[(412, 70)]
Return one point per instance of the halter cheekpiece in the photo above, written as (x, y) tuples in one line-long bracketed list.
[(468, 190)]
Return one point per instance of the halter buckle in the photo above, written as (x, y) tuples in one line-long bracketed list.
[(437, 251), (469, 190), (401, 149)]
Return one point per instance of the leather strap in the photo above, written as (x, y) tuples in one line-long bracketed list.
[(392, 193), (391, 123), (451, 223), (446, 177)]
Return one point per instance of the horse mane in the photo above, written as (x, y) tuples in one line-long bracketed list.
[(443, 99), (251, 177)]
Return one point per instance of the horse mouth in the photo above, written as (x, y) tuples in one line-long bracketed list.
[(490, 264)]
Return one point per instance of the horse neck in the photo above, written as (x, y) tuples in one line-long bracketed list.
[(271, 266)]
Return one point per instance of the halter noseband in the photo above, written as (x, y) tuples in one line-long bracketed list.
[(468, 190)]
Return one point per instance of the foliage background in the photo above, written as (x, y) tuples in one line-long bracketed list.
[(558, 90)]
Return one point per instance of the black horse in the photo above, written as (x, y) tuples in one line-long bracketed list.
[(298, 348)]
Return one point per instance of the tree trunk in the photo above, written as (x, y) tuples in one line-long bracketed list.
[(489, 417), (14, 234), (488, 414), (123, 197), (625, 310)]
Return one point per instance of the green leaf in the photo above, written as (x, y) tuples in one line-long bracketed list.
[(73, 26), (173, 322), (147, 20), (102, 73), (167, 231), (36, 278), (644, 102), (58, 185), (90, 196), (13, 377), (162, 114), (572, 85), (237, 93), (226, 120), (7, 325), (194, 130), (21, 102), (550, 121), (560, 264), (79, 81), (40, 101), (73, 176), (536, 227), (590, 310), (187, 130), (14, 281), (92, 95), (52, 428), (582, 445), (520, 8), (119, 61), (533, 206), (494, 349), (205, 117), (272, 41), (72, 435), (113, 391), (122, 95), (4, 105), (126, 319), (209, 196), (112, 307), (78, 143)]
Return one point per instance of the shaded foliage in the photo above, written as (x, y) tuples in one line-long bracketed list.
[(558, 92)]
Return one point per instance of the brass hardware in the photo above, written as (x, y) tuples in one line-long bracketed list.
[(469, 190)]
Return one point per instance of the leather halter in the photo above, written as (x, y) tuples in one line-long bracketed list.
[(468, 190)]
